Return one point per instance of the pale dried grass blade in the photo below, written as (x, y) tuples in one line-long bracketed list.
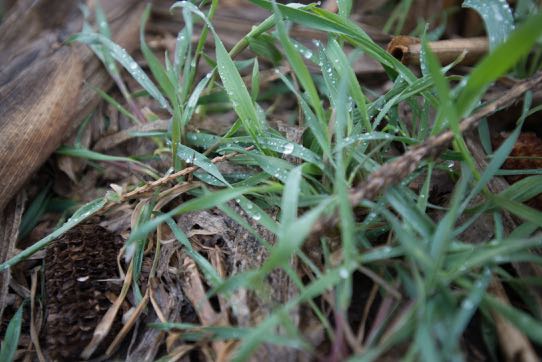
[(34, 333), (107, 320), (128, 326)]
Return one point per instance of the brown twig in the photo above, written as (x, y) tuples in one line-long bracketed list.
[(151, 186), (395, 171), (407, 49)]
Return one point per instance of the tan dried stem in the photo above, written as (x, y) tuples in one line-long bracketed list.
[(146, 189), (407, 49)]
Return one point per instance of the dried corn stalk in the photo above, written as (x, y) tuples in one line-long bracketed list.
[(80, 268)]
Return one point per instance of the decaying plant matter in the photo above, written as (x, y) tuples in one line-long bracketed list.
[(81, 283)]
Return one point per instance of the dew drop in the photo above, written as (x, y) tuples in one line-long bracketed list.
[(467, 304), (288, 148), (386, 250)]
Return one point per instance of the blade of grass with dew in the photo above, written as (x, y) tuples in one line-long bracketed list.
[(135, 249), (345, 8), (184, 37), (286, 147), (255, 80), (409, 211), (157, 70), (103, 28), (182, 63), (96, 156), (520, 210), (257, 214), (330, 76), (199, 52), (326, 282), (340, 62), (208, 270), (203, 202), (518, 45), (524, 189), (244, 279), (293, 237), (274, 166), (443, 235), (189, 67), (408, 240), (446, 106), (373, 136), (264, 47), (325, 21), (235, 216), (233, 83), (423, 197), (491, 252), (122, 56), (83, 213), (115, 104), (499, 156), (470, 303), (497, 17), (319, 130), (192, 102), (191, 156), (290, 197), (11, 338), (298, 66), (347, 222)]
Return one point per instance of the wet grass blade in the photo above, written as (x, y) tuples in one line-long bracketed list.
[(518, 44), (298, 66), (122, 56), (78, 217), (497, 17)]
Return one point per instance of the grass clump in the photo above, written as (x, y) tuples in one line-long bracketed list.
[(299, 196)]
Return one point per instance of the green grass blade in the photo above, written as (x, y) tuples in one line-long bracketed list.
[(289, 204), (154, 64), (191, 156), (208, 270), (298, 66), (518, 44), (497, 17), (11, 338), (122, 56), (78, 217)]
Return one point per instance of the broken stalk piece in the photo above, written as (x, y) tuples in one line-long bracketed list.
[(407, 49)]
